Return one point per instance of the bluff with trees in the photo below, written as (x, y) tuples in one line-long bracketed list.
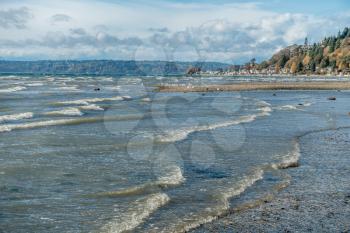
[(330, 56)]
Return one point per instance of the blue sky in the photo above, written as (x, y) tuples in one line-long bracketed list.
[(222, 30)]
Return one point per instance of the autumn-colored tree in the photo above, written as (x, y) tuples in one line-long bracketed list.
[(277, 69), (306, 60), (293, 68)]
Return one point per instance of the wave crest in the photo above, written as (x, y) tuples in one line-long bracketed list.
[(140, 210), (15, 117)]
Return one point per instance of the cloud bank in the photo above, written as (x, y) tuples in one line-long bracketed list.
[(229, 32)]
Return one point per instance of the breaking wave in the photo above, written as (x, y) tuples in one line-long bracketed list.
[(222, 207), (89, 101), (68, 88), (290, 160), (38, 124), (35, 84), (92, 107), (173, 178), (15, 117), (287, 107), (12, 89), (181, 134), (66, 112), (140, 210)]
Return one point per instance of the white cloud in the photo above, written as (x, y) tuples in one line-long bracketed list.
[(59, 18), (15, 18), (159, 30)]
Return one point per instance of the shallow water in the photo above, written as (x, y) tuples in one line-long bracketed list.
[(74, 159)]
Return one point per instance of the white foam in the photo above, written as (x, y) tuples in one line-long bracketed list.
[(212, 213), (263, 103), (112, 88), (265, 111), (181, 134), (289, 160), (12, 89), (15, 117), (92, 107), (37, 124), (146, 100), (66, 112), (68, 88), (173, 178), (287, 107), (139, 211), (89, 101), (307, 104), (36, 84)]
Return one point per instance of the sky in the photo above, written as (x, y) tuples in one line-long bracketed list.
[(171, 30)]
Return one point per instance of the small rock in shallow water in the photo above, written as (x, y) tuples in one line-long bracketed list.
[(332, 98)]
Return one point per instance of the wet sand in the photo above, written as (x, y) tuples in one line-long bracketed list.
[(314, 197), (253, 86)]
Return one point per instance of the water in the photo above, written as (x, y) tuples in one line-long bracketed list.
[(74, 159)]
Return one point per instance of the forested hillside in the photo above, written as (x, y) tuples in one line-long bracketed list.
[(331, 55)]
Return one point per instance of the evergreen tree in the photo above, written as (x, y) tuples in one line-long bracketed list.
[(345, 33), (324, 62), (299, 67), (333, 64), (338, 43), (282, 61), (312, 66)]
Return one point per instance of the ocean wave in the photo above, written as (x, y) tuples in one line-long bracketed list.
[(173, 178), (89, 101), (112, 88), (287, 107), (15, 117), (37, 84), (294, 107), (12, 89), (146, 100), (68, 88), (263, 103), (307, 104), (92, 107), (65, 112), (222, 207), (140, 210), (290, 160), (181, 134), (265, 111), (39, 124)]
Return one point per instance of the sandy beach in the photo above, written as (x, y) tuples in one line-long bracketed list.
[(253, 86)]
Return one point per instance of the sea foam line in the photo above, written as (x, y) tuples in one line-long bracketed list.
[(181, 134), (212, 214), (65, 112), (12, 89), (173, 178), (89, 101), (92, 107), (15, 117), (39, 124), (140, 210), (290, 160)]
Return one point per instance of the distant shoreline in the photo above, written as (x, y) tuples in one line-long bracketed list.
[(254, 86)]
